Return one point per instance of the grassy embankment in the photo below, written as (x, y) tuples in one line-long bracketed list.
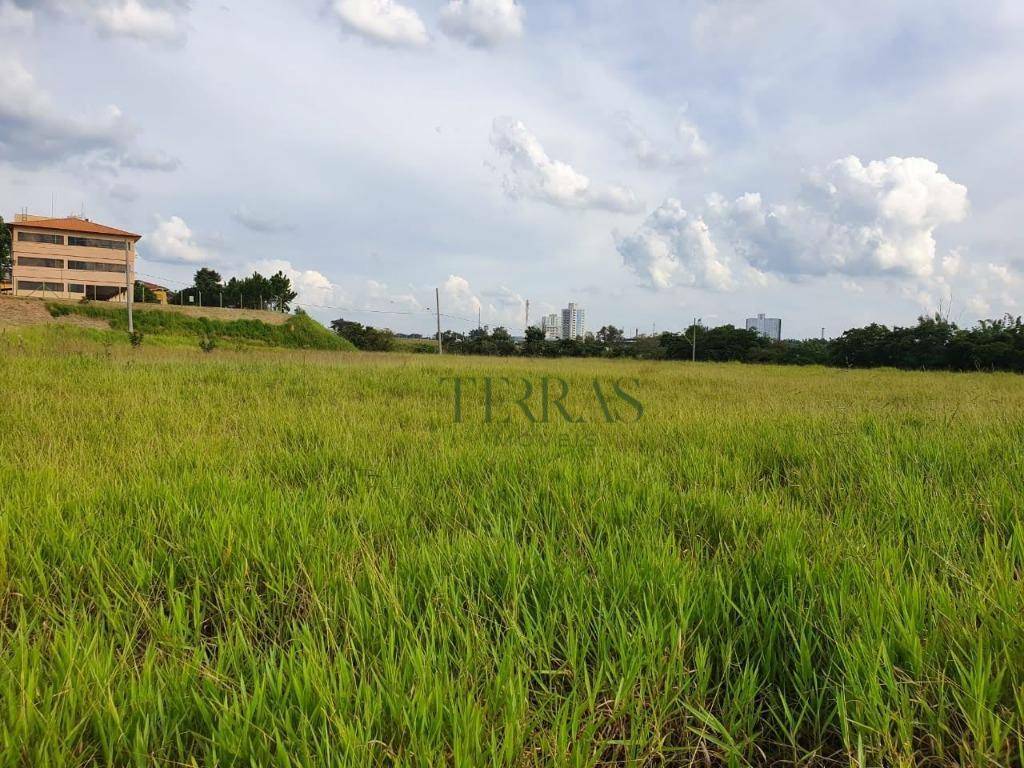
[(298, 332), (297, 558)]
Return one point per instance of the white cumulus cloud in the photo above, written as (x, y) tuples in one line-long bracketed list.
[(854, 219), (365, 300), (674, 248), (159, 21), (483, 23), (458, 297), (382, 21), (983, 289), (465, 306), (172, 241), (314, 289), (132, 18), (535, 175)]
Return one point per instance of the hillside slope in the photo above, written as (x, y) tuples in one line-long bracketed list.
[(297, 332)]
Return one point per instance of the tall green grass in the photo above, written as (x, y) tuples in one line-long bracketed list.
[(297, 558)]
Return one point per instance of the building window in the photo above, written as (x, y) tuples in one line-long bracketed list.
[(76, 288), (92, 242), (33, 237), (96, 266), (32, 285), (32, 261)]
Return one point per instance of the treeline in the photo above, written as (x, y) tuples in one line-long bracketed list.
[(934, 343), (364, 337), (6, 262), (209, 289)]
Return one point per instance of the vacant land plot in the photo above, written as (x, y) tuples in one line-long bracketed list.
[(305, 558)]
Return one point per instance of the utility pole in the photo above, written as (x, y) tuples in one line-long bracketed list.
[(437, 306), (527, 316), (693, 331), (479, 321), (129, 290)]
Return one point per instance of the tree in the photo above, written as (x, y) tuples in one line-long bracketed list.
[(534, 343), (6, 262), (208, 281), (866, 347), (450, 339), (281, 291), (248, 292), (501, 339), (534, 334), (722, 344), (924, 346), (609, 334), (991, 345), (364, 337)]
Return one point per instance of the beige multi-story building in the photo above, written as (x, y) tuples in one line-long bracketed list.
[(71, 258)]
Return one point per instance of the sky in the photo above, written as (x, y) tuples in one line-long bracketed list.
[(832, 164)]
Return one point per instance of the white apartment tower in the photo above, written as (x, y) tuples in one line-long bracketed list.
[(771, 327), (552, 327), (574, 324)]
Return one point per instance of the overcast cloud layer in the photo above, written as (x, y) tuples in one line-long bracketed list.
[(829, 165)]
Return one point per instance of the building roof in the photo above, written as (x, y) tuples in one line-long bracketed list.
[(72, 224), (153, 286)]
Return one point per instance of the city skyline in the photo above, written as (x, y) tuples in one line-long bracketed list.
[(690, 160)]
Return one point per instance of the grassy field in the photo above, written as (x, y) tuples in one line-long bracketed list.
[(283, 557)]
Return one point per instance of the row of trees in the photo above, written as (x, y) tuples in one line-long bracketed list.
[(934, 343), (6, 264), (364, 337), (208, 289)]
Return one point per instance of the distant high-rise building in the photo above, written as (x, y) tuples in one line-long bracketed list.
[(574, 325), (552, 327), (770, 327)]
